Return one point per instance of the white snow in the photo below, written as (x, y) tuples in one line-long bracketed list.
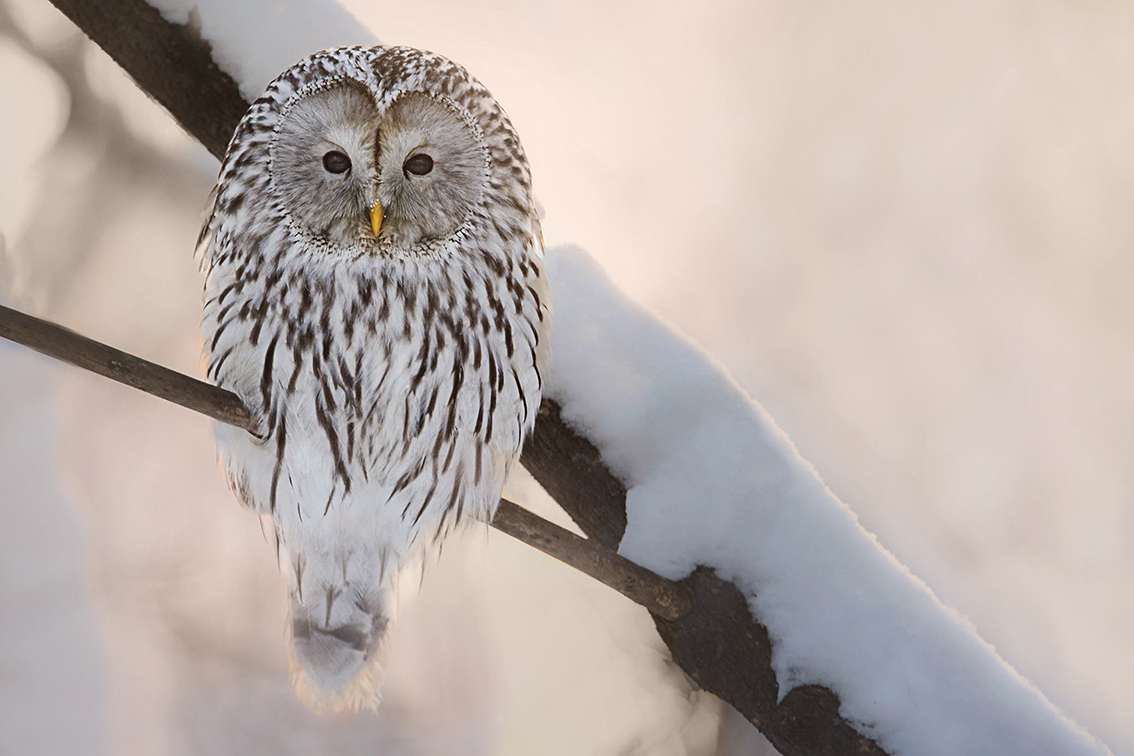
[(713, 481), (253, 42)]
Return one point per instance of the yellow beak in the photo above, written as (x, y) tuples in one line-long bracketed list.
[(376, 217)]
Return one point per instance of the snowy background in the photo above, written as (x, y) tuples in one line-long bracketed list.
[(904, 230)]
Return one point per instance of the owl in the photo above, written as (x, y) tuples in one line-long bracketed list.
[(375, 294)]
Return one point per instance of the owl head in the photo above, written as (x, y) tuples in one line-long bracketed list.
[(386, 151)]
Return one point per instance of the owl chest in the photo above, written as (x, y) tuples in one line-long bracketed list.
[(376, 390)]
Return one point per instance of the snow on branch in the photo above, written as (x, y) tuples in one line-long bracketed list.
[(714, 483), (799, 618)]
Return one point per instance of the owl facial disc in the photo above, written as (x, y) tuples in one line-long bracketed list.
[(360, 171)]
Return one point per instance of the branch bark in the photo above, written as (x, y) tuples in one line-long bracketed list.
[(66, 345), (718, 642), (660, 596)]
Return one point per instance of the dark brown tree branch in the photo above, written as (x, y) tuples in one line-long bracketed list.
[(662, 597), (66, 345), (170, 63), (719, 644), (571, 470)]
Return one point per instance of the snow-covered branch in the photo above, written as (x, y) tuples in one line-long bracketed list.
[(170, 64)]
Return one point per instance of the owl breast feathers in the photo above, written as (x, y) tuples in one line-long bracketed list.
[(375, 293)]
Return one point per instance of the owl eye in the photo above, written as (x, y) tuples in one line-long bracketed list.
[(336, 162), (418, 165)]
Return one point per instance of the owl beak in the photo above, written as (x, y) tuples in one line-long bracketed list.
[(376, 217)]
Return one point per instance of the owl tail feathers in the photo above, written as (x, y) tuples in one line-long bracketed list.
[(339, 668)]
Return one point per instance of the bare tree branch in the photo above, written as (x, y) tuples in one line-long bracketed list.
[(718, 642), (66, 345), (662, 597)]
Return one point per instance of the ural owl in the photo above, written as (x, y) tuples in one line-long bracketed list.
[(375, 293)]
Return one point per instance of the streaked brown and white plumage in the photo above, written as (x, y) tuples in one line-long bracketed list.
[(394, 369)]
